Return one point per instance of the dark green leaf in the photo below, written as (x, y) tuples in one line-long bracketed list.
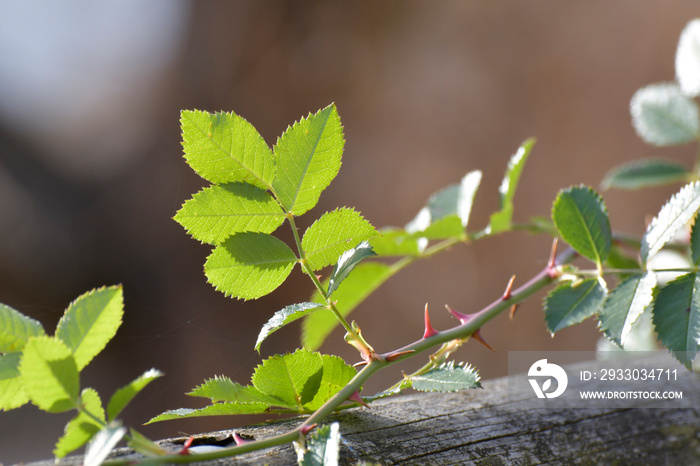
[(581, 218), (322, 447), (676, 317), (16, 329), (83, 427), (501, 220), (695, 242), (568, 305), (225, 148), (644, 174), (283, 317), (12, 392), (347, 262), (625, 304), (217, 212), (249, 265), (447, 378), (308, 157), (673, 216), (124, 395), (663, 116)]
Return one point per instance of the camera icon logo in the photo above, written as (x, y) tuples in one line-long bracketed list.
[(547, 371)]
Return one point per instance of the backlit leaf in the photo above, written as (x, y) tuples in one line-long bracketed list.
[(83, 427), (217, 212), (308, 157), (90, 322), (335, 375), (333, 234), (568, 305), (224, 148), (249, 265), (501, 220), (347, 262), (293, 379), (16, 329), (124, 395), (283, 317), (676, 317), (223, 389), (447, 378), (625, 304), (50, 374), (394, 242), (217, 409), (663, 116), (688, 59), (645, 173), (12, 392), (673, 216)]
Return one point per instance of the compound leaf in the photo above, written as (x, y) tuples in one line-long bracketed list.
[(12, 392), (581, 218), (50, 374), (292, 379), (124, 395), (688, 59), (447, 378), (90, 322), (283, 317), (308, 157), (501, 220), (568, 305), (663, 116), (625, 304), (249, 265), (16, 329), (347, 262), (645, 174), (83, 427), (217, 212), (673, 216), (224, 148), (333, 234), (676, 317)]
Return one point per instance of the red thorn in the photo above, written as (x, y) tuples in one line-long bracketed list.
[(551, 265), (512, 311), (396, 355), (186, 446), (305, 429), (429, 330), (358, 399), (319, 276), (509, 287), (463, 318), (239, 440), (477, 336)]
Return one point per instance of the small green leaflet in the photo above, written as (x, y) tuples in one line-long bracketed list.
[(322, 447), (90, 322), (283, 317), (447, 378), (568, 304), (625, 304), (663, 116), (217, 212), (645, 174), (347, 262), (16, 329), (50, 374), (224, 148), (501, 220), (673, 216), (12, 392), (676, 317), (81, 428), (124, 395), (249, 265), (308, 157), (333, 234), (581, 218), (688, 59)]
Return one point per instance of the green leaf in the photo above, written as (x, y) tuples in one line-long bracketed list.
[(283, 317), (322, 447), (224, 148), (292, 379), (695, 242), (447, 378), (249, 265), (673, 216), (335, 375), (581, 218), (144, 445), (347, 262), (625, 304), (124, 395), (361, 282), (16, 329), (218, 409), (568, 305), (688, 59), (501, 220), (90, 322), (333, 234), (308, 157), (663, 116), (12, 392), (83, 427), (102, 444), (676, 317), (223, 389), (217, 212), (394, 242), (50, 374), (645, 174)]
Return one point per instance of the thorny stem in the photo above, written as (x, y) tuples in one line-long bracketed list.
[(550, 274)]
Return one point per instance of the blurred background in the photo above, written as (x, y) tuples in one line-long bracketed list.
[(91, 167)]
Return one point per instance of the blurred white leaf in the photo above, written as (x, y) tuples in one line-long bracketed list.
[(688, 59)]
